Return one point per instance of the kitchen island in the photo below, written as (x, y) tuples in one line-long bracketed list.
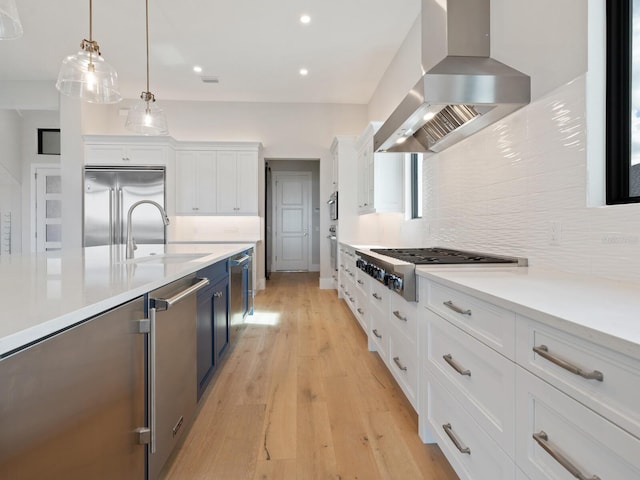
[(45, 293), (98, 357)]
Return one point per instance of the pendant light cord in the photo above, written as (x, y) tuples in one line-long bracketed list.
[(147, 39), (90, 20)]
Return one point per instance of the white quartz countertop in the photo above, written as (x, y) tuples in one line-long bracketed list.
[(598, 309), (42, 294)]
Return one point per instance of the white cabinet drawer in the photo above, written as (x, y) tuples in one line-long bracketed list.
[(489, 323), (484, 460), (403, 363), (617, 396), (404, 316), (579, 438), (482, 379), (362, 281), (378, 335), (379, 296), (361, 310)]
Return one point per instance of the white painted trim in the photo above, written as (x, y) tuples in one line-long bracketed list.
[(327, 283)]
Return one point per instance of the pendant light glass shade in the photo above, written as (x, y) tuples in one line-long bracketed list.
[(10, 26), (146, 118), (86, 75)]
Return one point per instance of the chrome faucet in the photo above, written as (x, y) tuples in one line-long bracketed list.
[(131, 243)]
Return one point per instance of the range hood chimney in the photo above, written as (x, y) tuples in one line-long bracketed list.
[(463, 89)]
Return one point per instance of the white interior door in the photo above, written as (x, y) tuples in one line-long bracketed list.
[(48, 209), (292, 217)]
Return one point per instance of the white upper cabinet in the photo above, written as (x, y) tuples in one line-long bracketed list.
[(237, 183), (196, 182), (380, 176), (125, 150)]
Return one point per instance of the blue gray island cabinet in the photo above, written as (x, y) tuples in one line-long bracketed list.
[(212, 322)]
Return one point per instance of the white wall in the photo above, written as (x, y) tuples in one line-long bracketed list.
[(511, 186), (10, 154), (286, 131)]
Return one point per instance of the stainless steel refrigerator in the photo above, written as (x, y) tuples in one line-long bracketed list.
[(108, 195)]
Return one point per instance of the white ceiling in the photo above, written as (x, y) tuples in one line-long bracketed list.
[(255, 47)]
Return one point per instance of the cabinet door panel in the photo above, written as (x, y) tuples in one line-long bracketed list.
[(593, 445), (247, 183), (226, 183), (484, 459), (220, 318), (616, 396), (204, 338), (185, 183)]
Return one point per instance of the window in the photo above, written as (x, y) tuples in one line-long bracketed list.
[(415, 185), (623, 102), (49, 141)]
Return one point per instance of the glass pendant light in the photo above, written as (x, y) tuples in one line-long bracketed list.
[(86, 75), (146, 117), (10, 26)]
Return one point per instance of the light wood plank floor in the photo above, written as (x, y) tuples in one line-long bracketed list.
[(300, 397)]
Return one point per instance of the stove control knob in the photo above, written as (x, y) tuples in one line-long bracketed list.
[(397, 284)]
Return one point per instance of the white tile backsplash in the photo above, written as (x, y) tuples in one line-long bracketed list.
[(501, 191)]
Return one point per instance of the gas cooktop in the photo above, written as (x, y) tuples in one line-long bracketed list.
[(436, 255), (400, 275)]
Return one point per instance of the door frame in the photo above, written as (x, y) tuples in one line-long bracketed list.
[(33, 198), (274, 213)]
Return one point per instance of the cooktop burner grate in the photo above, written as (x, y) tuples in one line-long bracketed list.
[(428, 256)]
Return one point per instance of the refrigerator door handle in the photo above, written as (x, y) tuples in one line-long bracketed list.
[(120, 217), (112, 211)]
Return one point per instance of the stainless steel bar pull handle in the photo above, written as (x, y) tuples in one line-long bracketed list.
[(455, 365), (166, 303), (455, 308), (376, 296), (240, 261), (543, 351), (397, 314), (396, 360), (543, 440), (152, 379), (449, 431)]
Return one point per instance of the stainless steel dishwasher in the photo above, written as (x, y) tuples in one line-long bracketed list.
[(172, 387), (240, 291)]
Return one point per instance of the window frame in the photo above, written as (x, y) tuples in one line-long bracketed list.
[(618, 93)]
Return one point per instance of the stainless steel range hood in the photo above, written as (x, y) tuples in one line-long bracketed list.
[(463, 89)]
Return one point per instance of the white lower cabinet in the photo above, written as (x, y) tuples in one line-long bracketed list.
[(558, 438), (482, 377), (528, 400), (472, 453), (403, 363)]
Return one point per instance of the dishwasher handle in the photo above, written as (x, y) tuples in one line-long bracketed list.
[(162, 304), (240, 261)]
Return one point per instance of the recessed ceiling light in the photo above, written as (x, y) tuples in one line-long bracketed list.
[(197, 69), (305, 19), (304, 71), (429, 116)]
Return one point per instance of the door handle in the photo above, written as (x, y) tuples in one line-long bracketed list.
[(161, 304)]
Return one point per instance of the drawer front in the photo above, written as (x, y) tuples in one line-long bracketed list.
[(484, 459), (403, 363), (362, 281), (579, 438), (361, 310), (616, 396), (378, 335), (404, 316), (379, 296), (492, 325), (483, 380)]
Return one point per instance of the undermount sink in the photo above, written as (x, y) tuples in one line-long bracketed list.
[(164, 258)]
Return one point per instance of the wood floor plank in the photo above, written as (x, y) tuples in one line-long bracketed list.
[(301, 385)]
